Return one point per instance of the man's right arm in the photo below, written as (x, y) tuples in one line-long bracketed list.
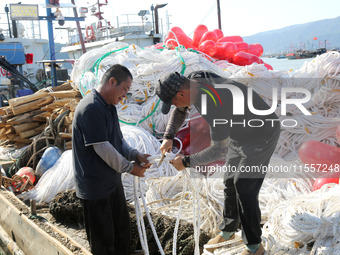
[(175, 122)]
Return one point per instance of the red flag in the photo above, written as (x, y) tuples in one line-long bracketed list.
[(315, 38)]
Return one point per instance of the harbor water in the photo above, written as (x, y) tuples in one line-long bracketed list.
[(284, 64)]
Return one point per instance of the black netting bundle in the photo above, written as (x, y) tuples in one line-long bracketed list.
[(66, 208)]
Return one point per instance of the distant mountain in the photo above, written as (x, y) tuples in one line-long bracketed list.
[(299, 36)]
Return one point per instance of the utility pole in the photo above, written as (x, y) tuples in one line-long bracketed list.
[(219, 15)]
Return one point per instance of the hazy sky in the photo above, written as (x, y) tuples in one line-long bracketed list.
[(243, 17)]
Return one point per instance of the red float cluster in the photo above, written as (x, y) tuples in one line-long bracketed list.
[(216, 45), (322, 159)]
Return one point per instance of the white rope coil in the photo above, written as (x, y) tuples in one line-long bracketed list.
[(321, 76), (141, 140)]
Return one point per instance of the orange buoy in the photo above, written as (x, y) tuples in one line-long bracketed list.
[(90, 36)]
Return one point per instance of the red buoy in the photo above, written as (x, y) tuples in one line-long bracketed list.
[(234, 39), (198, 33), (208, 47), (244, 59), (314, 152)]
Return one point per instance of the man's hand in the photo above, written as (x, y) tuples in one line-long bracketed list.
[(138, 170), (142, 159), (166, 145), (177, 162)]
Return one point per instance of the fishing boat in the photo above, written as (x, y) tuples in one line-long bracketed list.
[(130, 28), (302, 54), (17, 39), (281, 57)]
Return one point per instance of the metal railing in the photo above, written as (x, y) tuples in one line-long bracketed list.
[(29, 29)]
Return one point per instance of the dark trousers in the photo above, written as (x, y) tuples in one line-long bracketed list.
[(107, 224), (241, 204)]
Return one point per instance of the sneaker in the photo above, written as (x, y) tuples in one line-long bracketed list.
[(216, 240), (259, 251)]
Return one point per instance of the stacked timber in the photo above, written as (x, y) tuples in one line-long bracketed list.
[(28, 116)]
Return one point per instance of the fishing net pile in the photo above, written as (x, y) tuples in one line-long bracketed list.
[(66, 208), (293, 222), (321, 77)]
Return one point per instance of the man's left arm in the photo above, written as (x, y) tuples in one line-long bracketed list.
[(128, 152), (217, 150), (134, 155)]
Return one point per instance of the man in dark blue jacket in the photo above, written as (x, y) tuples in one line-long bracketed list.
[(100, 157)]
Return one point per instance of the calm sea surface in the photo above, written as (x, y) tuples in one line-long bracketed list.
[(286, 64)]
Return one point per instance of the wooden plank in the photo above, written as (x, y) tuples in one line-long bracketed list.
[(57, 104), (30, 238), (11, 119), (11, 136), (8, 131), (23, 118), (4, 125), (20, 140), (43, 116), (9, 112), (25, 126), (9, 246), (65, 94), (2, 131), (26, 99), (64, 86), (54, 228), (3, 110), (32, 105), (32, 132), (4, 118)]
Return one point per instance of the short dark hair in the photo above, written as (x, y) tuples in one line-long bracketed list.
[(119, 72)]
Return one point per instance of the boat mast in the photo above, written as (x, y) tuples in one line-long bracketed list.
[(80, 34)]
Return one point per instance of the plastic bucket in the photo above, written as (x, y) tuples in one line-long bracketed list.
[(48, 159)]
